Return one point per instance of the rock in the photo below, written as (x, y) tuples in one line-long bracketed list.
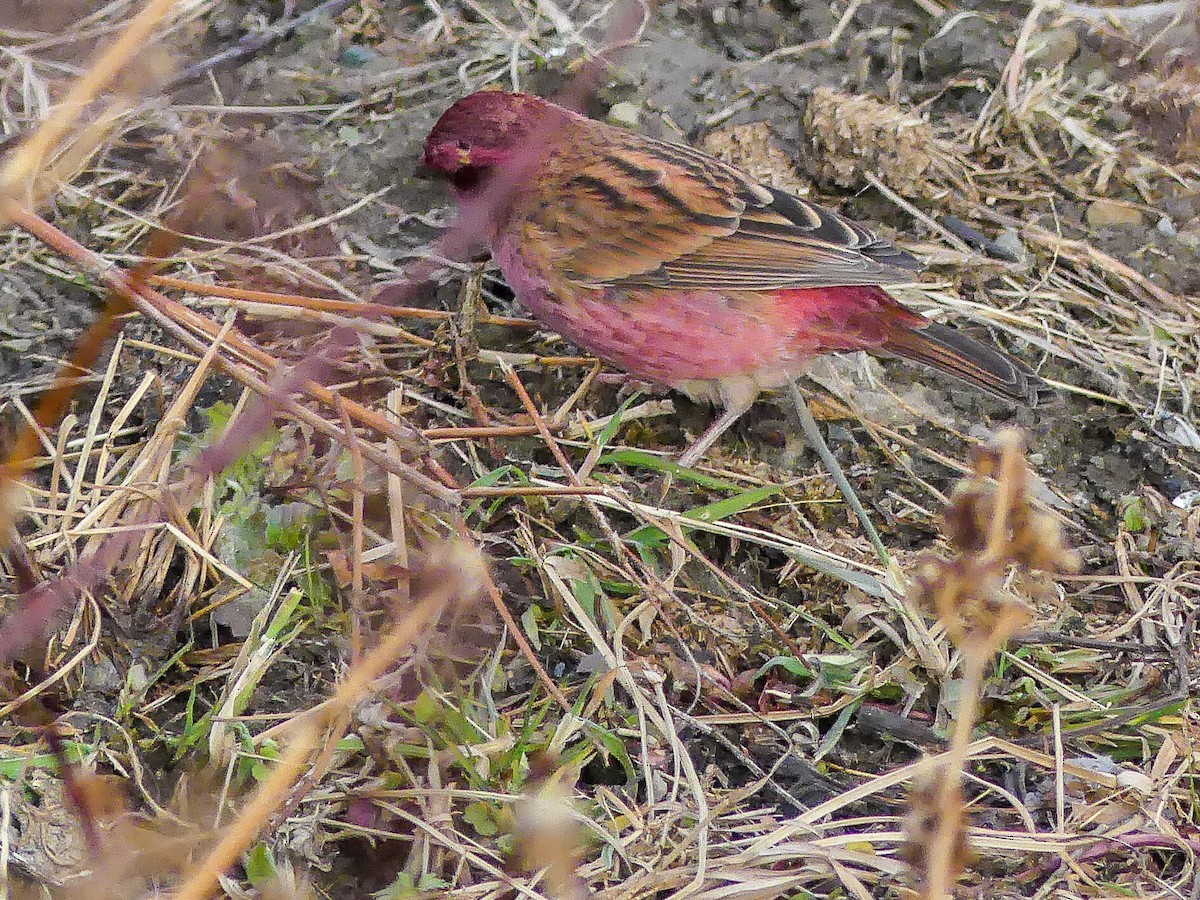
[(1168, 26), (1167, 228), (44, 837), (1056, 47), (965, 41), (1107, 213), (625, 114), (1119, 119), (356, 56), (1010, 242), (1187, 500), (100, 675), (1178, 430)]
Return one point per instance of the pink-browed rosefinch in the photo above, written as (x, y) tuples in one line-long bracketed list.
[(679, 268)]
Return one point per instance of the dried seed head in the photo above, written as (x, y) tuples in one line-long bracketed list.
[(14, 494), (925, 580), (547, 834), (985, 460), (1008, 441), (850, 138), (992, 525), (1048, 548), (968, 515)]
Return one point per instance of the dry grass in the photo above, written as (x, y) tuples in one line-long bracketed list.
[(285, 591)]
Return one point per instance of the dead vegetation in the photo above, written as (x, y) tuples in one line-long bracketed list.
[(310, 593)]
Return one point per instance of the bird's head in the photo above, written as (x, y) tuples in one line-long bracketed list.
[(481, 132)]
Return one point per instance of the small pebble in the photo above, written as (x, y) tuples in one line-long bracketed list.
[(1010, 242), (1138, 781), (1104, 213), (625, 114), (1187, 500), (351, 136), (355, 56), (1119, 118), (1167, 228), (1053, 48), (966, 41)]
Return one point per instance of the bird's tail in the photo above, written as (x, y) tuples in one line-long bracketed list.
[(954, 353)]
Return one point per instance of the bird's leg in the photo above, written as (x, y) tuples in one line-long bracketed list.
[(813, 433), (720, 425)]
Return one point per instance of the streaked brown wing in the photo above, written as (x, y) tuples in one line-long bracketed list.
[(787, 243), (629, 212), (613, 204)]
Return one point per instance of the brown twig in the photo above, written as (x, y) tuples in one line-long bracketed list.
[(364, 309)]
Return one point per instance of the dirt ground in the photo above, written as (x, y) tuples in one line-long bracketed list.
[(741, 723)]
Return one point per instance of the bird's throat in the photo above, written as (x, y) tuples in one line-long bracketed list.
[(470, 179)]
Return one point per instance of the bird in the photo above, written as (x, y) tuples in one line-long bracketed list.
[(680, 269)]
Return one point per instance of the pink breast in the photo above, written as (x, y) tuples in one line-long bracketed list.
[(676, 337)]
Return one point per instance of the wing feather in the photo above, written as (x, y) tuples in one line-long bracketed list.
[(629, 212)]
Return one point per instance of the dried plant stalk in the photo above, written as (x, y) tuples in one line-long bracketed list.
[(994, 527), (20, 176)]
